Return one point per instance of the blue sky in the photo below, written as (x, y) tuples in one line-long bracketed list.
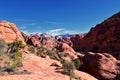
[(57, 16)]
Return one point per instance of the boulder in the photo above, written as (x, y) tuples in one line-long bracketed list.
[(67, 50), (9, 32), (102, 66)]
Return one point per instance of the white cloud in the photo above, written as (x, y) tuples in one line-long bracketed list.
[(53, 22), (56, 30), (28, 32), (30, 24), (23, 27), (23, 20), (60, 31)]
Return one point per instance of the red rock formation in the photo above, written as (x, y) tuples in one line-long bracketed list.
[(25, 36), (66, 40), (34, 40), (9, 32), (37, 40), (76, 40), (102, 66), (48, 42), (66, 49), (104, 37)]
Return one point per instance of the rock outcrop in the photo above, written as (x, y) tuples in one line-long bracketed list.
[(66, 40), (104, 37), (40, 40), (9, 32), (75, 39), (68, 51), (102, 66), (33, 40)]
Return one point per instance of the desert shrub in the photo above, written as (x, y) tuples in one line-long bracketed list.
[(68, 68), (41, 51), (31, 49), (2, 46), (118, 57), (54, 54), (14, 56), (77, 63), (12, 59)]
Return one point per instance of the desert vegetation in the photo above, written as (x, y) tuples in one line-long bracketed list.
[(11, 58)]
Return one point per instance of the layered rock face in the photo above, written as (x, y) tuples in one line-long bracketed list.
[(103, 66), (9, 32), (40, 40), (104, 37)]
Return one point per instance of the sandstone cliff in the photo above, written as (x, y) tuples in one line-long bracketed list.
[(104, 37)]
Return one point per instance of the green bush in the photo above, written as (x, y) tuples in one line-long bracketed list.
[(77, 63), (68, 68), (2, 46), (15, 55), (12, 59), (31, 49), (41, 51)]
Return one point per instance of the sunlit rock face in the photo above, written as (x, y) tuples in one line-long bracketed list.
[(9, 32)]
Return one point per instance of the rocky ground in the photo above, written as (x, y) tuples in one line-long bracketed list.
[(40, 69)]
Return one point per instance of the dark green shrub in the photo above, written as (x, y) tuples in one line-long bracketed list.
[(118, 57), (31, 49), (77, 63)]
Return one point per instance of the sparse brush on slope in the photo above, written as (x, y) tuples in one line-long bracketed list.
[(53, 53), (2, 46), (13, 58), (68, 69)]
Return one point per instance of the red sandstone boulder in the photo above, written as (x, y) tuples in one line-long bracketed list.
[(67, 50), (9, 32), (102, 66)]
